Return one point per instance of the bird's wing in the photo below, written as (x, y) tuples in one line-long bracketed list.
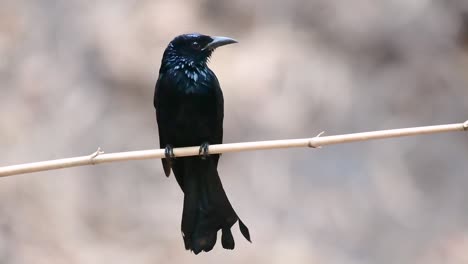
[(220, 114), (161, 119), (220, 117)]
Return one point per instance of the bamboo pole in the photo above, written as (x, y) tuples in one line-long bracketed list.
[(315, 142)]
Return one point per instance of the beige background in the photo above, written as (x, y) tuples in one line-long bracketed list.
[(75, 75)]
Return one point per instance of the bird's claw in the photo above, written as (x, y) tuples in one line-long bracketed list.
[(203, 151), (169, 153)]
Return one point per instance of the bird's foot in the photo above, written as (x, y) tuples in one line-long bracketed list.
[(203, 151), (169, 153)]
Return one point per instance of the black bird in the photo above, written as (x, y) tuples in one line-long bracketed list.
[(189, 111)]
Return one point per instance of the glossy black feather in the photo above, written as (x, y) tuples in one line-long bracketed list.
[(189, 111)]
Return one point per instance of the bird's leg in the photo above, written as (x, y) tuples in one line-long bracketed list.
[(169, 154), (203, 151)]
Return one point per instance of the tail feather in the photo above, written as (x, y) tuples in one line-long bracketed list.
[(190, 211), (244, 230), (227, 240), (203, 243), (206, 207)]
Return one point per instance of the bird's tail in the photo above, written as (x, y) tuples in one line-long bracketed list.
[(206, 208)]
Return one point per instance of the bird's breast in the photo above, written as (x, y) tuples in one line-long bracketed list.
[(194, 117), (191, 80)]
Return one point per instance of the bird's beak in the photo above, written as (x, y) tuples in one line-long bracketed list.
[(218, 42)]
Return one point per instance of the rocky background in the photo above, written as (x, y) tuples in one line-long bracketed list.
[(75, 75)]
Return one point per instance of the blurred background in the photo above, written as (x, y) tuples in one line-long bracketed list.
[(76, 75)]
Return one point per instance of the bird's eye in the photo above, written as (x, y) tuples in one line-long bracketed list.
[(195, 45)]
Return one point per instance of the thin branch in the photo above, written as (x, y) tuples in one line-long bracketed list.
[(315, 142)]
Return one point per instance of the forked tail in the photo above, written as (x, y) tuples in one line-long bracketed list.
[(206, 207)]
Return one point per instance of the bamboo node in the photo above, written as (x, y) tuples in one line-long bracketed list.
[(311, 144), (95, 154)]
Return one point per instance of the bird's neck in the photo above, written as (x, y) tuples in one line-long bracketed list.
[(190, 78), (173, 59)]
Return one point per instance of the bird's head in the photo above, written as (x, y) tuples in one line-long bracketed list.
[(192, 50)]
